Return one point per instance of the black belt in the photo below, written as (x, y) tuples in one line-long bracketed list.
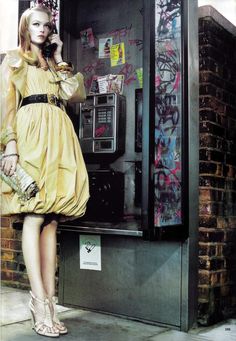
[(44, 98)]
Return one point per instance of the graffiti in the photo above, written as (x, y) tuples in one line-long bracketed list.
[(141, 11), (169, 11), (88, 82), (167, 174), (90, 70), (101, 131), (98, 65), (136, 42), (128, 71), (119, 34), (53, 5)]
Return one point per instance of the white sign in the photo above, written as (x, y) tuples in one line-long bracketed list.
[(90, 252)]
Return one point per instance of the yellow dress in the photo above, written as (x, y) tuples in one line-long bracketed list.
[(50, 152)]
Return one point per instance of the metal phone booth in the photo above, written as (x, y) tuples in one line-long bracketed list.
[(134, 253)]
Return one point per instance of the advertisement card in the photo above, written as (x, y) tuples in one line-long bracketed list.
[(104, 47)]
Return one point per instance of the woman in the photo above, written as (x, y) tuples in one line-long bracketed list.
[(37, 133)]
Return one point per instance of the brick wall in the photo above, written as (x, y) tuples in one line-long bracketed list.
[(217, 231), (13, 270)]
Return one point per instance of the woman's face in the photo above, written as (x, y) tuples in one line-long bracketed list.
[(39, 27)]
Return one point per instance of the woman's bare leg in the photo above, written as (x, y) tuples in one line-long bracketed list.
[(43, 324), (48, 249), (31, 253)]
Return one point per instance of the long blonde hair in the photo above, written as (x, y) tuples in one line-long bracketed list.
[(24, 35)]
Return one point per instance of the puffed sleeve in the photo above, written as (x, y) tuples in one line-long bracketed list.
[(7, 104), (71, 88)]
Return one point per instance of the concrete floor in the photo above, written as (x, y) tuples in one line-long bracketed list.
[(91, 326)]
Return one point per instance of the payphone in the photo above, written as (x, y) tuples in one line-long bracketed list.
[(102, 134), (102, 127)]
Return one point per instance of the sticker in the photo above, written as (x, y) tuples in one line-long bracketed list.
[(139, 73), (90, 252)]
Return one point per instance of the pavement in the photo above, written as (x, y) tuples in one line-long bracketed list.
[(86, 325)]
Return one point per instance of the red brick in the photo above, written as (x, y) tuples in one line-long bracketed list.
[(11, 265), (203, 293), (20, 277), (213, 235), (222, 222), (5, 222), (15, 245), (7, 233), (232, 222), (207, 222), (204, 277), (7, 255), (219, 250), (207, 249), (6, 275), (204, 194), (5, 243)]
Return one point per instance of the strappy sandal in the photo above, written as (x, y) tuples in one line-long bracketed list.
[(41, 318), (57, 323)]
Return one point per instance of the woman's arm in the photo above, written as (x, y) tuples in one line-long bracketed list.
[(8, 114), (71, 87)]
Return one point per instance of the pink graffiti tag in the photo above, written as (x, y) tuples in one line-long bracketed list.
[(177, 81), (88, 82), (128, 71), (100, 131), (136, 42), (120, 33), (99, 64)]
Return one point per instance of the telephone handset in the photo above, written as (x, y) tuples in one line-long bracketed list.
[(48, 50)]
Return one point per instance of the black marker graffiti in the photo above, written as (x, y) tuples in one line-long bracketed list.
[(167, 175)]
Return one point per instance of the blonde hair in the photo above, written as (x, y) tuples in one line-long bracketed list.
[(24, 35)]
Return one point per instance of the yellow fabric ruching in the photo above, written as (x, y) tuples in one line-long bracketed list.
[(7, 104), (50, 152)]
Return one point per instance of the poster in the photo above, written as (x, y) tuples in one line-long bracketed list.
[(117, 54), (90, 252), (87, 38), (104, 47)]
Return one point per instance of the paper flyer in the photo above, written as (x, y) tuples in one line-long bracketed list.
[(117, 54), (90, 252), (107, 83), (139, 73), (104, 47), (87, 38)]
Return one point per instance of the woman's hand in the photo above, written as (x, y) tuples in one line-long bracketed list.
[(54, 38), (10, 158)]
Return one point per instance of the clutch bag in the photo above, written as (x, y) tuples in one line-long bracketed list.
[(21, 182)]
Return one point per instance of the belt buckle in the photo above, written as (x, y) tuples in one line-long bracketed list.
[(52, 99)]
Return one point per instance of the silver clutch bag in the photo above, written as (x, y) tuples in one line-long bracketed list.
[(21, 182)]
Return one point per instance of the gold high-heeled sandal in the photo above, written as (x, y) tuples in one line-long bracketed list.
[(42, 319), (57, 323)]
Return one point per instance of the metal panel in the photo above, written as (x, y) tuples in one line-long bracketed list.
[(138, 279), (190, 270)]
